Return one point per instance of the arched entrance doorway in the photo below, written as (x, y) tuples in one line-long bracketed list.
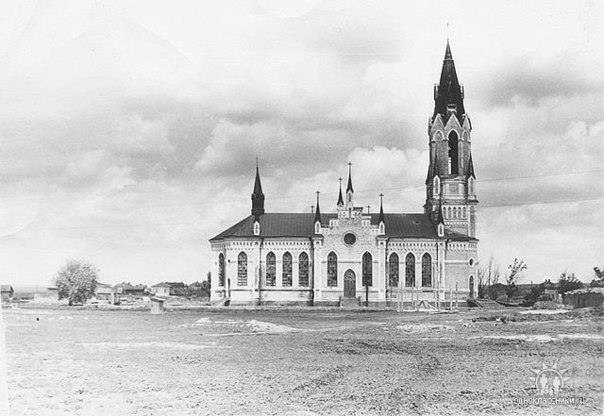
[(350, 284)]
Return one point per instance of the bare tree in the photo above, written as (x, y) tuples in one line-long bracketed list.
[(488, 276)]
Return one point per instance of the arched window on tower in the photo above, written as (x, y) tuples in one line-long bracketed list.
[(367, 270), (436, 186), (332, 269), (303, 270), (471, 288), (221, 269), (410, 270), (393, 270), (471, 186), (242, 269), (286, 267), (454, 152), (271, 269), (426, 270)]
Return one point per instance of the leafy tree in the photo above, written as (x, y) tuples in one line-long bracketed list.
[(515, 269), (598, 281), (76, 281), (568, 282)]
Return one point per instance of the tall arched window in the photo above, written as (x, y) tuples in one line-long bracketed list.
[(221, 269), (242, 269), (426, 270), (286, 275), (393, 270), (303, 270), (471, 286), (332, 269), (271, 269), (410, 270), (367, 269), (471, 186), (454, 152)]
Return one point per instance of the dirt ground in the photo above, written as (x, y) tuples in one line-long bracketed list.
[(300, 362)]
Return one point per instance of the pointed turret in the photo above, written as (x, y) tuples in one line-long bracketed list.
[(349, 186), (440, 223), (448, 95), (340, 198), (471, 168), (318, 210), (257, 195), (349, 189), (440, 219), (381, 217)]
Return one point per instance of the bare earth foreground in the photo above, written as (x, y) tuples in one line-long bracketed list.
[(301, 362)]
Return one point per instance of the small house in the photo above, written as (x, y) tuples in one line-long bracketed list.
[(128, 289), (161, 289), (103, 291), (6, 291)]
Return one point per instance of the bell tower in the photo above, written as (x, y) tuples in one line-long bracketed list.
[(450, 183)]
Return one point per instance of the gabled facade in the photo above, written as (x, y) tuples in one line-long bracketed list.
[(348, 254)]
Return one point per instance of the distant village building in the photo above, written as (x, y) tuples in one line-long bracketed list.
[(161, 289), (103, 291), (170, 289), (327, 258), (6, 292), (127, 289)]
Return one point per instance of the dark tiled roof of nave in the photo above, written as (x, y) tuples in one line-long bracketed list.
[(302, 225)]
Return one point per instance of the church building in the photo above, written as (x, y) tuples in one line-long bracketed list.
[(351, 256)]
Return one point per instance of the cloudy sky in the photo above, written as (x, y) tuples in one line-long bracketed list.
[(129, 129)]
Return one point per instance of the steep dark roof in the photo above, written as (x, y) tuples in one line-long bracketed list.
[(302, 225), (449, 91)]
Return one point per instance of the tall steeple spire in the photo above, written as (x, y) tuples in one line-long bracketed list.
[(340, 198), (318, 210), (257, 195), (381, 217), (448, 95)]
